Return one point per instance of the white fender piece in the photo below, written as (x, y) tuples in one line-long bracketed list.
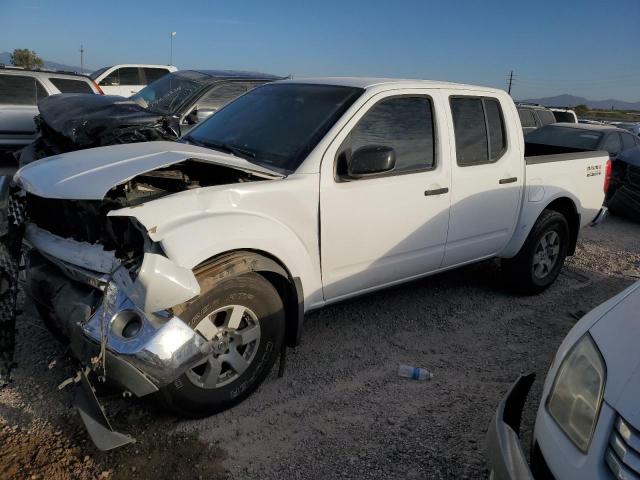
[(162, 284)]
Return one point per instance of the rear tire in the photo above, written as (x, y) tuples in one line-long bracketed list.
[(539, 261), (244, 316)]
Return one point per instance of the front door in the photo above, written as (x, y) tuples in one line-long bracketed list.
[(390, 226)]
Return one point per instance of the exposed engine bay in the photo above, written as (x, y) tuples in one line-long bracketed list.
[(87, 221)]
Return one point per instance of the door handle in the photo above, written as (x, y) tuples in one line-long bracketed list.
[(508, 180), (437, 191)]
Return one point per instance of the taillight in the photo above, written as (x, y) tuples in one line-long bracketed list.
[(608, 169), (99, 89)]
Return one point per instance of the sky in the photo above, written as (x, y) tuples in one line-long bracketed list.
[(587, 48)]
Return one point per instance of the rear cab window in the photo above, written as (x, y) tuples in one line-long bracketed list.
[(404, 123), (479, 130), (68, 85), (21, 90)]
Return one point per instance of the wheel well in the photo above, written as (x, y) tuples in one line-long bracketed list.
[(568, 209), (228, 264)]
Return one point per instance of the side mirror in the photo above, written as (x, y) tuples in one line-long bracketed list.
[(204, 113), (371, 160)]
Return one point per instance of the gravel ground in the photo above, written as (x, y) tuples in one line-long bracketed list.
[(340, 411)]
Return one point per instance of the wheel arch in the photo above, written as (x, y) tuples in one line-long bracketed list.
[(563, 204), (566, 207), (228, 264)]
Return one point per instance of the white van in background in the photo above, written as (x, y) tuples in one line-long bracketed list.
[(127, 79)]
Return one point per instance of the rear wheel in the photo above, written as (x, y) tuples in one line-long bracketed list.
[(243, 318), (539, 261)]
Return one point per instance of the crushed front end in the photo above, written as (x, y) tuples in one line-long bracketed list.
[(100, 284)]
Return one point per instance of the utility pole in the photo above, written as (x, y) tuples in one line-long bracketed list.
[(81, 59), (173, 34), (510, 82)]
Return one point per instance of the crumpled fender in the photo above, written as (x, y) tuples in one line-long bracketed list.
[(161, 284)]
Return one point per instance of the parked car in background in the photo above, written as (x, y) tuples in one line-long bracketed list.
[(20, 92), (623, 186), (588, 422), (127, 79), (631, 127), (564, 115), (163, 110), (534, 116), (217, 245), (581, 136)]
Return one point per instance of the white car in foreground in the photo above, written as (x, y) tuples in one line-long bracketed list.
[(203, 255), (588, 423)]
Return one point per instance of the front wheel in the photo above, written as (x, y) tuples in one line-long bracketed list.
[(243, 317), (539, 261)]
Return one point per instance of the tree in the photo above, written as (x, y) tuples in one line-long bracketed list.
[(25, 58)]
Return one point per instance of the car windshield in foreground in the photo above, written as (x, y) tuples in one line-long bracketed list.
[(276, 125), (168, 93), (565, 137)]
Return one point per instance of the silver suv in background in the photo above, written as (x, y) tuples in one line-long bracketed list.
[(534, 116), (20, 92)]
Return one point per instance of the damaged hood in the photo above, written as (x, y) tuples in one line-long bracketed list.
[(90, 174), (83, 117)]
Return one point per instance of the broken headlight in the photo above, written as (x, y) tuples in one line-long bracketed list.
[(576, 396)]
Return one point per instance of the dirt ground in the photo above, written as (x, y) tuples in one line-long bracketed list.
[(341, 411)]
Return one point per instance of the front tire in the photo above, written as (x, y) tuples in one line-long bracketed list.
[(243, 316), (539, 261)]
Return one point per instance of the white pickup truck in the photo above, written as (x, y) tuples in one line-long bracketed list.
[(186, 268)]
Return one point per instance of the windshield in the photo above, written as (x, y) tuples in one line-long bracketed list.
[(565, 137), (165, 95), (276, 125), (97, 73)]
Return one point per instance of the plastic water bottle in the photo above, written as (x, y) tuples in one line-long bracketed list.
[(414, 373)]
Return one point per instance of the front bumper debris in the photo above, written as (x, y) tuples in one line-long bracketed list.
[(96, 422), (163, 349), (92, 312), (600, 217), (505, 456)]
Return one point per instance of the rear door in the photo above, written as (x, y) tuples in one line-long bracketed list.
[(487, 178), (19, 96), (392, 226)]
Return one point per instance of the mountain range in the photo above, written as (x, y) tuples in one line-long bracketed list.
[(567, 100), (5, 58)]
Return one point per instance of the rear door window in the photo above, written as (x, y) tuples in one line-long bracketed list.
[(130, 76), (526, 118), (20, 90), (153, 74), (67, 85), (479, 130), (219, 96), (546, 117)]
